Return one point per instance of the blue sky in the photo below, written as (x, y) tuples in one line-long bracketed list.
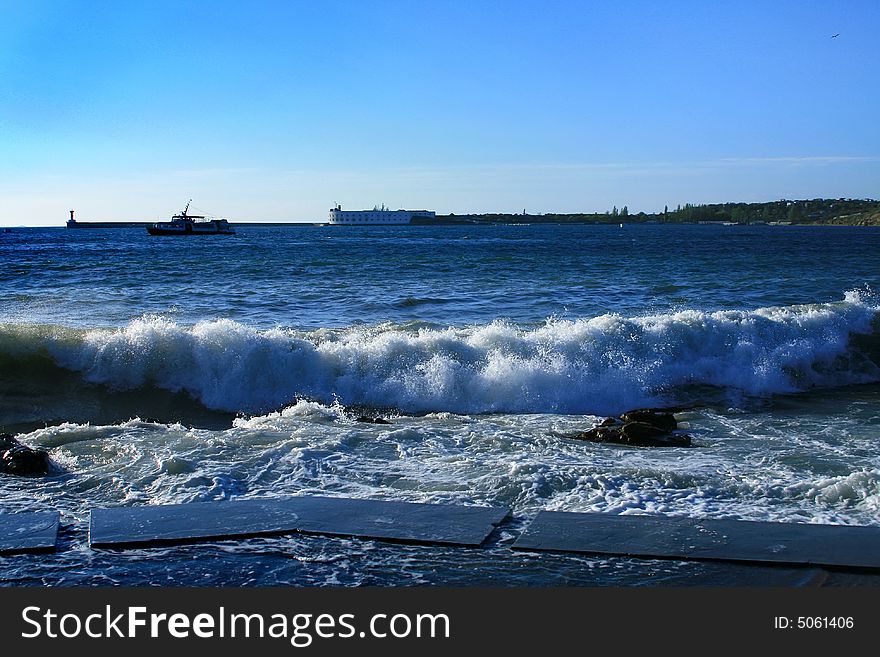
[(275, 110)]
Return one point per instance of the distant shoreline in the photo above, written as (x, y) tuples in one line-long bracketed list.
[(91, 225), (815, 212)]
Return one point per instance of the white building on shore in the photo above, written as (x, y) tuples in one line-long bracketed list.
[(375, 217)]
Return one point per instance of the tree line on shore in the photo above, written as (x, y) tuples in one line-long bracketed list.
[(814, 211)]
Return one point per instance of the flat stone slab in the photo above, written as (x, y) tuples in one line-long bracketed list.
[(28, 532), (395, 521), (687, 538)]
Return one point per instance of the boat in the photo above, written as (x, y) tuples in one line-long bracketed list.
[(191, 224)]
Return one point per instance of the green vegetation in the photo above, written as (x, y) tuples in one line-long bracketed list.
[(853, 212)]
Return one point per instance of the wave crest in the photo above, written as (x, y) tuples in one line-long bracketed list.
[(598, 365)]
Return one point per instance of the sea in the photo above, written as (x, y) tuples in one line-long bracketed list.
[(160, 370)]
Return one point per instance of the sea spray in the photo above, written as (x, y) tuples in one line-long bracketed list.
[(599, 365)]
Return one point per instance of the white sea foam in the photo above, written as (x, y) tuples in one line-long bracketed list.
[(598, 365), (858, 488)]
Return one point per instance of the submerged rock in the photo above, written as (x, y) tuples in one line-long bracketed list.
[(663, 420), (371, 420), (19, 459), (643, 434), (644, 427)]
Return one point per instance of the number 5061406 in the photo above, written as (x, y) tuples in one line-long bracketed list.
[(823, 622)]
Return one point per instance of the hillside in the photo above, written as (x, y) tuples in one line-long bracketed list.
[(853, 212)]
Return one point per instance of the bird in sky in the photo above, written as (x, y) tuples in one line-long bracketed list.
[(834, 36)]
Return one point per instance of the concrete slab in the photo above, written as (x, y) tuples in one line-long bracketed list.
[(28, 532), (687, 538), (394, 521)]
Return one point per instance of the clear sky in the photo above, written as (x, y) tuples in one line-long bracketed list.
[(275, 110)]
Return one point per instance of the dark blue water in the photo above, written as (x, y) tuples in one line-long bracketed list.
[(161, 370), (315, 276)]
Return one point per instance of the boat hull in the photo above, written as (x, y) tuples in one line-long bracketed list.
[(187, 224), (173, 231)]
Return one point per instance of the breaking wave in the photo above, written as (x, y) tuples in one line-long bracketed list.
[(599, 365)]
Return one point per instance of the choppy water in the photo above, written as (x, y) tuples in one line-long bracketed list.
[(171, 370)]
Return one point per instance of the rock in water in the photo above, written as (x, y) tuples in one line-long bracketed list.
[(636, 432), (642, 434), (644, 427), (371, 420), (19, 459), (662, 420)]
